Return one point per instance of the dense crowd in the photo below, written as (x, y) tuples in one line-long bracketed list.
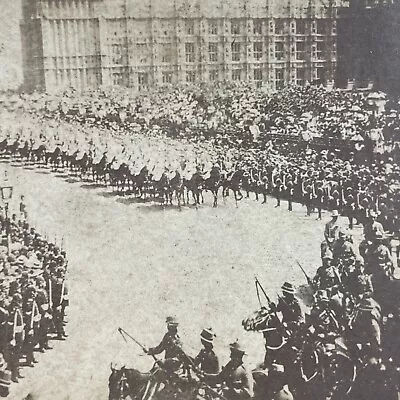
[(344, 345), (329, 150), (218, 147), (33, 294)]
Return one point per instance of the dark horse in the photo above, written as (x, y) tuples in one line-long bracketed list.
[(126, 382), (213, 183)]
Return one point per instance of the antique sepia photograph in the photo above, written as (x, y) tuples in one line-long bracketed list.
[(199, 199)]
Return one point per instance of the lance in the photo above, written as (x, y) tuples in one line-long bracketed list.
[(259, 286), (125, 333)]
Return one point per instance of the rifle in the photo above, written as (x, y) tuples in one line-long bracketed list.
[(309, 280)]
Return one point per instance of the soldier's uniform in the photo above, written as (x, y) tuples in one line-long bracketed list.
[(332, 229), (42, 299), (327, 277), (206, 360), (58, 296), (366, 323), (15, 336), (379, 261), (289, 306), (235, 375), (32, 320)]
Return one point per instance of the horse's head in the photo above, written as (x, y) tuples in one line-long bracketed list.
[(115, 382), (259, 321)]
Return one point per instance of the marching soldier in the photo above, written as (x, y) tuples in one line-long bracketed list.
[(206, 360), (42, 299), (15, 336), (32, 321), (58, 296)]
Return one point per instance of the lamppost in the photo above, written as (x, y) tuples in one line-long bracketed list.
[(6, 195)]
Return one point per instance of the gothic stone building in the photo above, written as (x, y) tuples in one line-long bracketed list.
[(140, 43)]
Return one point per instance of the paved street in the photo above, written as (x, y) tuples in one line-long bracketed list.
[(131, 264)]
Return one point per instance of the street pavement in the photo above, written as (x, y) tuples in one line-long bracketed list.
[(131, 264)]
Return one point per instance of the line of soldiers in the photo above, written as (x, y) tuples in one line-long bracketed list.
[(33, 297)]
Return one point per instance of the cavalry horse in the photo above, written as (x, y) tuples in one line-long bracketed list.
[(315, 371), (234, 183), (195, 185), (213, 183), (178, 188)]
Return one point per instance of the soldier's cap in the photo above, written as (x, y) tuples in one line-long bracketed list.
[(288, 288), (335, 213), (172, 321), (207, 335), (237, 347)]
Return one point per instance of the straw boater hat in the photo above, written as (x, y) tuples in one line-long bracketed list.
[(288, 288), (207, 335)]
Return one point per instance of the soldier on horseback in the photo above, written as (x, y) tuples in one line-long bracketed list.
[(236, 377), (206, 360), (172, 346), (289, 306)]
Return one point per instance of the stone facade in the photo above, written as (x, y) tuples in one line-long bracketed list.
[(141, 43)]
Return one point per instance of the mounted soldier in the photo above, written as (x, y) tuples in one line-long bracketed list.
[(206, 360), (289, 306), (332, 229), (235, 376)]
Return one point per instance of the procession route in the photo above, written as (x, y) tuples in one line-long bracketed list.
[(131, 264)]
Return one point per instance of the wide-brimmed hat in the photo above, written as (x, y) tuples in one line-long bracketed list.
[(172, 321), (207, 335), (288, 288), (237, 347)]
